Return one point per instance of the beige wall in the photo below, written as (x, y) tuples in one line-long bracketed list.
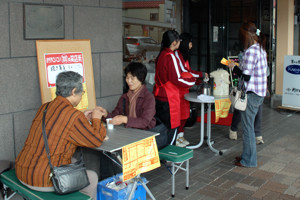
[(285, 38)]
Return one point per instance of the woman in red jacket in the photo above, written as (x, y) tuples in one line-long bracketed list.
[(168, 84), (183, 53)]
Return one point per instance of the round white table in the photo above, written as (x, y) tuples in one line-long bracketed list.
[(192, 97)]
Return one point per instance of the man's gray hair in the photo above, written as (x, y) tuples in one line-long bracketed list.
[(66, 82)]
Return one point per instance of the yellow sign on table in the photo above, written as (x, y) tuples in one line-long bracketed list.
[(139, 157), (222, 107)]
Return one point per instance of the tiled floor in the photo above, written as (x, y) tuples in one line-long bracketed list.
[(215, 177)]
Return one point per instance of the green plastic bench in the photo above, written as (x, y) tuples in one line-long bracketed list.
[(10, 180), (177, 156)]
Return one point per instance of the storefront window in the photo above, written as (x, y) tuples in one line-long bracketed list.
[(144, 23)]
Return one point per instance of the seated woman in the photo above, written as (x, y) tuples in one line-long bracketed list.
[(66, 129), (135, 109)]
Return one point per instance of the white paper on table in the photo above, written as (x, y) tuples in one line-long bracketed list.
[(204, 97)]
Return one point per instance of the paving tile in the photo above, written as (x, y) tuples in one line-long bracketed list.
[(214, 177), (271, 196), (271, 150), (286, 156), (292, 190), (275, 187), (248, 180), (246, 187), (284, 179), (227, 195), (260, 194), (287, 197), (262, 174), (206, 178), (296, 183), (258, 182), (242, 191), (234, 176), (228, 184), (214, 189), (241, 196), (273, 166), (244, 170), (220, 172), (208, 193), (218, 182), (198, 196), (292, 169)]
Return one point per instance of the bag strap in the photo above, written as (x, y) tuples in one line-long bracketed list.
[(241, 85), (230, 71), (46, 140), (45, 137)]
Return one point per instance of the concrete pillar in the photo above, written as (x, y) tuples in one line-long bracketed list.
[(285, 38)]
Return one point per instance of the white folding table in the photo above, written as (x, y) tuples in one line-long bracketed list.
[(192, 97)]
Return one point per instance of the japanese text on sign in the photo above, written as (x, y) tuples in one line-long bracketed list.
[(59, 62), (139, 157)]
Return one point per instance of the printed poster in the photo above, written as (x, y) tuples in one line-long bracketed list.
[(222, 107), (139, 157), (60, 62), (291, 82)]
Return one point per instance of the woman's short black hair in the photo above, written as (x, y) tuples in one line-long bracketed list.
[(138, 70), (184, 45)]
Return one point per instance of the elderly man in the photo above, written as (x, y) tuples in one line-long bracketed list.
[(67, 128)]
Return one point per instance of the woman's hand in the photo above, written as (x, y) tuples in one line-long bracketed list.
[(119, 119), (231, 65), (206, 76)]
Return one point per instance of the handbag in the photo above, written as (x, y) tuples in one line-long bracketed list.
[(238, 96), (65, 178)]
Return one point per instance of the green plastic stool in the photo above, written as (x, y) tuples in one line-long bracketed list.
[(177, 156), (10, 180)]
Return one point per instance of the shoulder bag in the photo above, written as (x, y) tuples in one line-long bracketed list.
[(65, 178), (238, 96)]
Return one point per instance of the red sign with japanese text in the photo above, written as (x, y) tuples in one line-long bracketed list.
[(59, 62)]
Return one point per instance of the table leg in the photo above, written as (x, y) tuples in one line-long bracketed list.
[(208, 132), (136, 179), (201, 130)]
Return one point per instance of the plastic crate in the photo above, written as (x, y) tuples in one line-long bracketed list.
[(105, 193)]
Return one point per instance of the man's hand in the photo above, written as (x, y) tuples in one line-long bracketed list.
[(88, 114), (97, 113)]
